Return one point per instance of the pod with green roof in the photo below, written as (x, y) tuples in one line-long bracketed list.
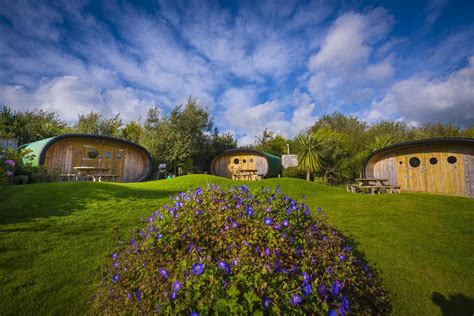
[(246, 164), (84, 156)]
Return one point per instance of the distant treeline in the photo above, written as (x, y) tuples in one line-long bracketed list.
[(188, 138)]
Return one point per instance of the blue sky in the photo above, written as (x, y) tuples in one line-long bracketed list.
[(274, 64)]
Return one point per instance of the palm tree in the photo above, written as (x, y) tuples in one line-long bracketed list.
[(309, 159)]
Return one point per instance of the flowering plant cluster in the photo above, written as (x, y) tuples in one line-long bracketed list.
[(233, 251)]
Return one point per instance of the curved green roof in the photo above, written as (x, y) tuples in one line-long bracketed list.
[(274, 165), (37, 149)]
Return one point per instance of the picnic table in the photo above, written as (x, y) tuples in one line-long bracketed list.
[(245, 174), (94, 173), (372, 186)]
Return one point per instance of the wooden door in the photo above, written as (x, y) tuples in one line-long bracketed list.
[(455, 181), (90, 155), (119, 160), (411, 172), (108, 154)]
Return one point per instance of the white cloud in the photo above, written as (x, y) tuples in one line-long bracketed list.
[(69, 96), (423, 99), (380, 70)]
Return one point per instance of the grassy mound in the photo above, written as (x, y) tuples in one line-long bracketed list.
[(237, 252)]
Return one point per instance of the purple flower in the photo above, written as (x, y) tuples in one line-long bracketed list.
[(160, 235), (295, 299), (9, 173), (114, 256), (346, 248), (319, 209), (139, 295), (332, 313), (198, 268), (246, 243), (115, 278), (335, 288), (266, 302), (163, 272), (129, 296), (173, 296), (276, 227), (234, 224), (342, 257), (307, 289), (267, 251), (322, 289), (116, 264), (328, 270), (285, 223), (249, 210), (306, 277), (176, 286), (298, 251), (235, 262), (224, 266), (345, 304), (268, 221), (277, 190), (10, 162), (194, 314)]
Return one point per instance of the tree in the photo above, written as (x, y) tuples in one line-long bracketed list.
[(308, 158), (31, 125), (438, 130), (93, 123), (133, 132), (271, 143)]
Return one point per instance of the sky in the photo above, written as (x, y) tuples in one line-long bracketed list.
[(253, 64)]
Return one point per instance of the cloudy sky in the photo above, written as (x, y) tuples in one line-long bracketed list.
[(275, 64)]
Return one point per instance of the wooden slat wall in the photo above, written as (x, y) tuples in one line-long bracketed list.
[(442, 177), (68, 153)]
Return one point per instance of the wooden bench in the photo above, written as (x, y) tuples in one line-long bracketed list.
[(105, 177), (373, 189), (68, 176)]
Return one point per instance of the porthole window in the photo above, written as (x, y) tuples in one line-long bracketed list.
[(452, 159), (400, 162), (245, 160), (414, 162), (251, 160), (107, 154), (119, 156), (236, 161), (92, 153), (433, 161)]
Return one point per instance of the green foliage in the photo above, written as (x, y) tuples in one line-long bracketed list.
[(293, 172), (94, 123), (233, 251), (29, 126), (16, 168), (133, 132), (270, 143)]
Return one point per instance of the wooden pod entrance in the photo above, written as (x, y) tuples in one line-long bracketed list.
[(246, 164), (108, 157), (444, 166)]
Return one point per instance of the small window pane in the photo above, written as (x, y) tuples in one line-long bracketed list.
[(245, 160), (433, 161), (251, 160), (92, 153), (107, 154), (452, 159), (236, 161), (415, 162), (119, 156)]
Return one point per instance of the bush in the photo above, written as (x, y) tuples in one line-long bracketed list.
[(294, 172), (16, 168), (237, 252)]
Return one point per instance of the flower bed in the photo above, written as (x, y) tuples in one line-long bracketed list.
[(235, 251)]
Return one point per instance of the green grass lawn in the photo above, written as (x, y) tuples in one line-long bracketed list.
[(54, 237)]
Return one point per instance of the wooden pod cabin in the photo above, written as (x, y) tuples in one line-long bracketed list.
[(444, 165), (230, 162), (112, 157)]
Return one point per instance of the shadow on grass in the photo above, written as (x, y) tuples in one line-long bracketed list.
[(456, 304), (40, 201)]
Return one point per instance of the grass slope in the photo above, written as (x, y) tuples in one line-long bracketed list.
[(54, 237)]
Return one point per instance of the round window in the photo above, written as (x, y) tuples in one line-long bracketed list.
[(245, 160), (92, 153), (452, 159), (400, 162), (107, 154), (414, 162), (433, 161), (119, 156), (251, 160), (236, 161)]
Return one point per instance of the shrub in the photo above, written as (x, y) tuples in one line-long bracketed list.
[(237, 252), (294, 172)]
